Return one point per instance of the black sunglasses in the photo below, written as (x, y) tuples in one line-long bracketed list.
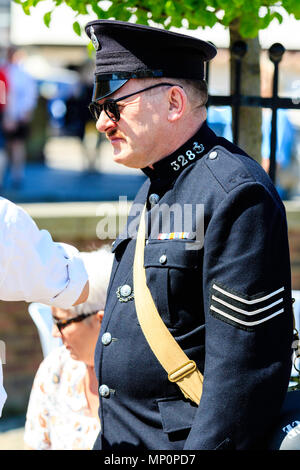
[(111, 107), (61, 324)]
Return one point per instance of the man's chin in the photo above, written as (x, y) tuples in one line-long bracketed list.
[(75, 357), (123, 158)]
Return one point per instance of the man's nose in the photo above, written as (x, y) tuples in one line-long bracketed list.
[(104, 123)]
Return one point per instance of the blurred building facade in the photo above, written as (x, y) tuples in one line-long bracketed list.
[(52, 53)]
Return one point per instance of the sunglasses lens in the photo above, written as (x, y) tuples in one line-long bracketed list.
[(112, 110), (58, 326), (110, 107)]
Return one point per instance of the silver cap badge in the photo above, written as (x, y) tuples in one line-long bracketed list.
[(94, 38)]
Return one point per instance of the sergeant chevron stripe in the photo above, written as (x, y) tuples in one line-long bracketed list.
[(244, 312), (254, 301)]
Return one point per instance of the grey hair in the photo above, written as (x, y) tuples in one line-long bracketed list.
[(196, 90), (98, 265)]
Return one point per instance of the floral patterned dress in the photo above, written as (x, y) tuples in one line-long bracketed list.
[(58, 416)]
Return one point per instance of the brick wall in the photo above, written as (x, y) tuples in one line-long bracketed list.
[(293, 218), (76, 225), (294, 241)]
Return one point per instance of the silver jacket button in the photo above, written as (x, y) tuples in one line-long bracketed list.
[(106, 338), (104, 391), (153, 199), (213, 155), (125, 293), (125, 290), (163, 259)]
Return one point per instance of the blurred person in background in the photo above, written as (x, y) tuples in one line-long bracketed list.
[(287, 165), (63, 407), (78, 117), (21, 101)]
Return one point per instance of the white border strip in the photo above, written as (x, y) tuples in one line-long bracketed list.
[(249, 302), (255, 312), (246, 323)]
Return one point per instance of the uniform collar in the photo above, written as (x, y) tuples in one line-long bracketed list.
[(170, 167)]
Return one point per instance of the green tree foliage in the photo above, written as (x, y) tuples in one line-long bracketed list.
[(249, 14)]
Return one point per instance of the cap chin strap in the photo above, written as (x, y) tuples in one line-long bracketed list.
[(179, 367)]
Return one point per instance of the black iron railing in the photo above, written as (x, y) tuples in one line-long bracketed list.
[(236, 100)]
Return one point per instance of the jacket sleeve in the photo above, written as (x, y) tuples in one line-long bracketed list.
[(248, 321)]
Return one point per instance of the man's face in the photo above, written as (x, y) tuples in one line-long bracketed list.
[(138, 138)]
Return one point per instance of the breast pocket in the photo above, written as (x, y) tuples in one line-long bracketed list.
[(173, 271), (176, 415)]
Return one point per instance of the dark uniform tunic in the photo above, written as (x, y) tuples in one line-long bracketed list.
[(225, 298)]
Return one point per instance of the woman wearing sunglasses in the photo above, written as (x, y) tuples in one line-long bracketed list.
[(63, 407)]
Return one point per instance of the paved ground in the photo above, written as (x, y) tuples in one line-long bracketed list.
[(11, 433), (66, 177), (12, 440)]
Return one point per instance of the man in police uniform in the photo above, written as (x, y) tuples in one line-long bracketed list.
[(225, 296)]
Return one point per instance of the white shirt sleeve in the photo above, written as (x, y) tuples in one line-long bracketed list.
[(32, 266)]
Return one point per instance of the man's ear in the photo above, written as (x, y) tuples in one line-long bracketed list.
[(177, 103), (100, 314)]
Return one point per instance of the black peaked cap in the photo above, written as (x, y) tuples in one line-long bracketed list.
[(128, 50)]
